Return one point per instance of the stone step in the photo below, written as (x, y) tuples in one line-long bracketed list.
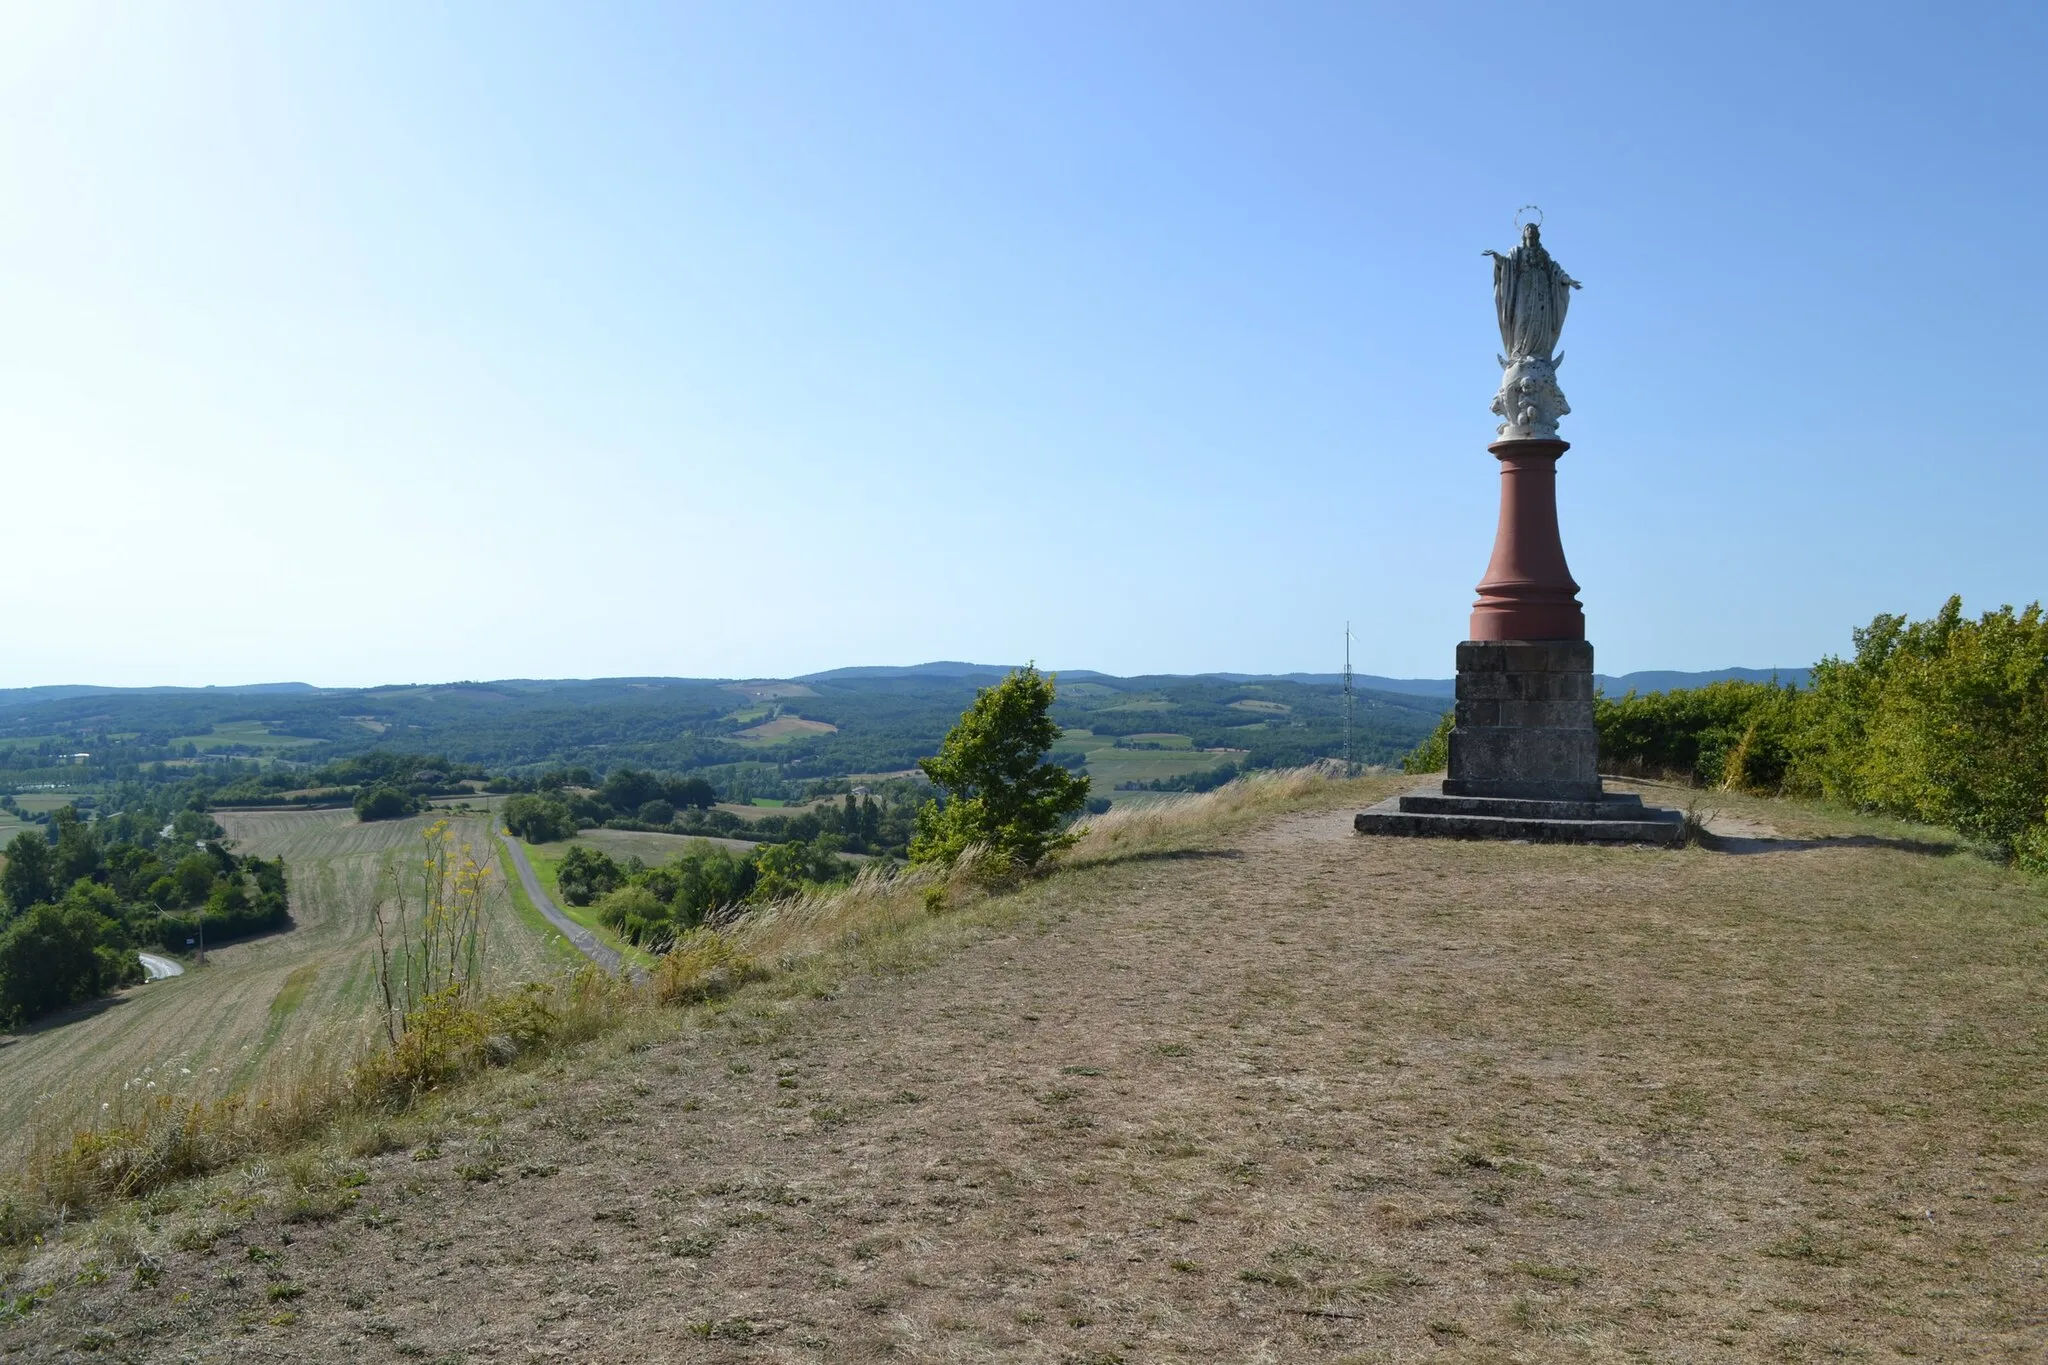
[(1655, 826), (1612, 806)]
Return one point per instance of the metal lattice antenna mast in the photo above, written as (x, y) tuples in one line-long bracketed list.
[(1347, 698)]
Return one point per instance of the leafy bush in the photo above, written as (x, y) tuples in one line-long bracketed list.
[(703, 879), (586, 874), (539, 819), (1734, 734), (633, 911), (384, 803), (1000, 792), (1433, 755), (1943, 721)]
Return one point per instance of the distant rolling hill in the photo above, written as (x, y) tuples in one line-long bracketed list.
[(1653, 680), (770, 739), (29, 696)]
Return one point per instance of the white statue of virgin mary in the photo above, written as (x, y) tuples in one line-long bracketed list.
[(1530, 295)]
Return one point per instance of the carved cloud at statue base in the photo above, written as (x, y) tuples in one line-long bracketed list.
[(1529, 402)]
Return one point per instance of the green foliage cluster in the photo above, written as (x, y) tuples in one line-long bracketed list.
[(80, 899), (1433, 755), (875, 822), (57, 954), (385, 803), (1000, 793), (656, 906), (562, 801), (538, 819), (413, 777), (1943, 721), (1734, 734), (861, 823)]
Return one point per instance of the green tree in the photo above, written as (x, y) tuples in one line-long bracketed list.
[(691, 791), (780, 871), (56, 955), (708, 880), (586, 874), (78, 849), (626, 790), (1000, 791), (190, 826), (194, 875), (383, 803), (538, 819), (31, 875)]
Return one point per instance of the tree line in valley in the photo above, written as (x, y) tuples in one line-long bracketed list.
[(873, 821), (79, 898)]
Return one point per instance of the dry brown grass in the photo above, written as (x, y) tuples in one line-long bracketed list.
[(1238, 1086)]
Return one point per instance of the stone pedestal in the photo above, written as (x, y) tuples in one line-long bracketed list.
[(1612, 818), (1524, 722), (1525, 678), (1524, 751)]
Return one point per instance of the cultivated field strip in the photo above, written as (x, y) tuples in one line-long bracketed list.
[(259, 1002)]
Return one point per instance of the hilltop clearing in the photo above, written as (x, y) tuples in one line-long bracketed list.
[(1226, 1089)]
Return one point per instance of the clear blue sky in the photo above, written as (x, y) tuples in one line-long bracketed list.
[(363, 343)]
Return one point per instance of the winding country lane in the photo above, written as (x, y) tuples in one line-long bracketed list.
[(586, 942), (159, 968)]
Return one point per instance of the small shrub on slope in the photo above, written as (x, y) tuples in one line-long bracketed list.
[(1433, 755)]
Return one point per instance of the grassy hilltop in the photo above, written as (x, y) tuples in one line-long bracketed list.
[(1234, 1084)]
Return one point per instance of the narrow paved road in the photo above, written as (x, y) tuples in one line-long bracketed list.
[(585, 941), (159, 968)]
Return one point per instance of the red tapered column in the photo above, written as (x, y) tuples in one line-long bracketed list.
[(1528, 592)]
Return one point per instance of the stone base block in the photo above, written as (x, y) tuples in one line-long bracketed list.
[(1524, 723), (1434, 812)]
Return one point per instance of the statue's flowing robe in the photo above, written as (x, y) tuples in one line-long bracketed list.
[(1530, 293)]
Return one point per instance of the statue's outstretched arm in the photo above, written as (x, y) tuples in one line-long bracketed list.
[(1495, 254), (1569, 280)]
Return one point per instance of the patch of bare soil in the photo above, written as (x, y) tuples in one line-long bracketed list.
[(1295, 1096)]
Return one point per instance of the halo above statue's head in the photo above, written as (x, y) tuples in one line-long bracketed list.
[(1528, 208)]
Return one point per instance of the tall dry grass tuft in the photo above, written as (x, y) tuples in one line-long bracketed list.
[(1124, 830), (165, 1125), (444, 1024)]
